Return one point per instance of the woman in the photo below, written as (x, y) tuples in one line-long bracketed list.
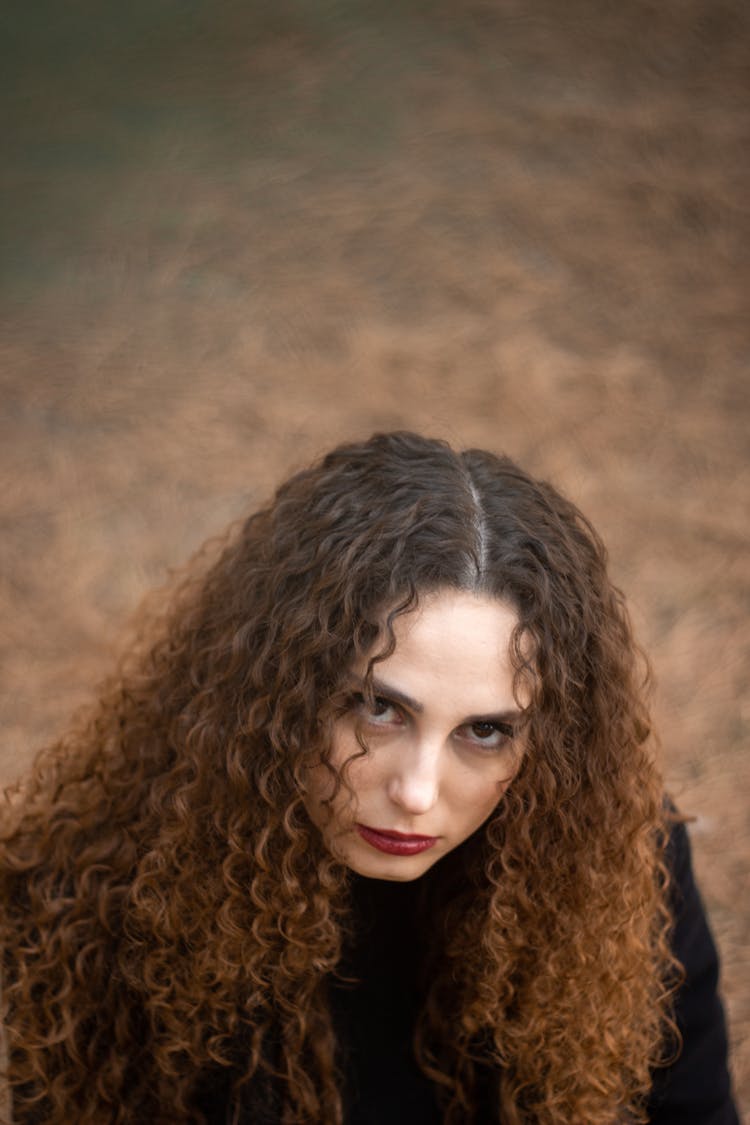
[(368, 829)]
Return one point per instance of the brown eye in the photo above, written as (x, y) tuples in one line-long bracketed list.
[(382, 710), (489, 734)]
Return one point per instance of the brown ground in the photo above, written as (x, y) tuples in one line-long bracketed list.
[(237, 233)]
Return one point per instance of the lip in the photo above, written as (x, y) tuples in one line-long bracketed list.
[(395, 843)]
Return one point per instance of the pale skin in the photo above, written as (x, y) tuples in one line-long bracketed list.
[(443, 739)]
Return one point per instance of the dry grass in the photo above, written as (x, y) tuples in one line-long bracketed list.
[(235, 240)]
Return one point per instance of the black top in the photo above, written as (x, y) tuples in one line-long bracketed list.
[(695, 1090), (374, 1020)]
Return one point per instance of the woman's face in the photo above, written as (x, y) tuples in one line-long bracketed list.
[(443, 744)]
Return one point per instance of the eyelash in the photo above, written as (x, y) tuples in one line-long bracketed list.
[(504, 730), (359, 703)]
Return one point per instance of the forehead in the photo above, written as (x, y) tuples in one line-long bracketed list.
[(454, 647)]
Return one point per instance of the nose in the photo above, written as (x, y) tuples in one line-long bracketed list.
[(414, 782)]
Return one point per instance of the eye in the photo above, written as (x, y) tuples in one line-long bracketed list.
[(489, 734), (381, 713)]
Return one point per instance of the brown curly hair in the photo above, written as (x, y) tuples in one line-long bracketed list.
[(171, 912)]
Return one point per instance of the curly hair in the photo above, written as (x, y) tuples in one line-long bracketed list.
[(170, 910)]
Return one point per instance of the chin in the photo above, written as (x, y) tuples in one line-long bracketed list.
[(392, 869)]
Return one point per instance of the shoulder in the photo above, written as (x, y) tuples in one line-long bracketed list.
[(5, 1095), (695, 1089)]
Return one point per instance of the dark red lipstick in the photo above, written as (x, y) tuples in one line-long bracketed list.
[(395, 843)]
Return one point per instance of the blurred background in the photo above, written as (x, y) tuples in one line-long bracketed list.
[(236, 233)]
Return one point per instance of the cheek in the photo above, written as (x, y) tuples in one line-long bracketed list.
[(361, 776), (361, 771), (318, 787), (474, 797), (358, 778)]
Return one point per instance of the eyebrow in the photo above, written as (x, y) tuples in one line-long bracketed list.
[(379, 687)]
